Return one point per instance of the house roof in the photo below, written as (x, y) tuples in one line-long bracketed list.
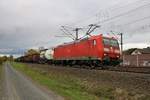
[(145, 50), (142, 51), (129, 51)]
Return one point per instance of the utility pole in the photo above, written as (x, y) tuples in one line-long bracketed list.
[(121, 42), (121, 34)]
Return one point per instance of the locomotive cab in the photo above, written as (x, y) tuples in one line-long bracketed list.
[(111, 50)]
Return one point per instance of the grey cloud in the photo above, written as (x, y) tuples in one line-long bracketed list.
[(33, 23)]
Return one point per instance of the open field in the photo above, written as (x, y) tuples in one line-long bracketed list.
[(83, 84)]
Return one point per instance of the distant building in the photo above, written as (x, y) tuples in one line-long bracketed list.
[(137, 57)]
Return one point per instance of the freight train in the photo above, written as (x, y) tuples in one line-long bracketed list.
[(93, 51)]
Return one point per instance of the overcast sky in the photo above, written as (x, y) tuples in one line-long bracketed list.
[(33, 23)]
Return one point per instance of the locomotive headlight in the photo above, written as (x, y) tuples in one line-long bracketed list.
[(105, 54), (117, 56), (111, 48)]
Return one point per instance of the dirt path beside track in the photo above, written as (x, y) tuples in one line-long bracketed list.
[(16, 86)]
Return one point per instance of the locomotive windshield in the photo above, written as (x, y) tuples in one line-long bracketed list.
[(110, 42), (114, 43)]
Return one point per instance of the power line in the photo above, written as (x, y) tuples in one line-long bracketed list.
[(120, 15), (135, 21), (114, 7), (67, 33), (132, 22), (138, 20), (123, 14), (115, 17)]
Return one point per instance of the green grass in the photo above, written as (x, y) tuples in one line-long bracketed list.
[(72, 87), (69, 88), (0, 72), (0, 79)]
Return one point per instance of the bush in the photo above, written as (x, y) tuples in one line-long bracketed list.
[(3, 59)]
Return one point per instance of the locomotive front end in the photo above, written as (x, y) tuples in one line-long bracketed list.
[(111, 51)]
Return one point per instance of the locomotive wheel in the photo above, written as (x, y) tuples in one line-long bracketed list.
[(91, 64), (106, 60)]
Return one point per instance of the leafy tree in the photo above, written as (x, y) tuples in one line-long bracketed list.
[(31, 52), (3, 59), (10, 58)]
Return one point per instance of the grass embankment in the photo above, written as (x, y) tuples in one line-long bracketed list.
[(78, 87), (69, 88), (0, 79), (0, 72)]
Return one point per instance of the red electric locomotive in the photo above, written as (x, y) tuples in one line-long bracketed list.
[(92, 51)]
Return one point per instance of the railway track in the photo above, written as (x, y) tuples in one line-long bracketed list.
[(144, 70)]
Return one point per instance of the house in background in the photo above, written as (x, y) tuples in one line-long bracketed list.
[(137, 57)]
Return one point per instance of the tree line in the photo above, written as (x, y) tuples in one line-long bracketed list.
[(5, 58)]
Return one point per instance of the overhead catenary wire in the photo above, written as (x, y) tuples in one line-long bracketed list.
[(65, 35), (117, 16), (138, 20), (133, 22), (67, 32), (122, 14), (114, 7)]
